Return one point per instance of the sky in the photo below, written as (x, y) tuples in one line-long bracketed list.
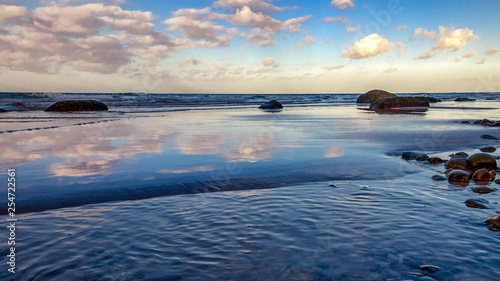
[(249, 46)]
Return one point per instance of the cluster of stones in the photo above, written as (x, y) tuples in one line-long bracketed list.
[(484, 122), (381, 100), (461, 169)]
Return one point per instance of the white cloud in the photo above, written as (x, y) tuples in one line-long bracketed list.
[(294, 24), (261, 37), (308, 40), (341, 19), (482, 61), (342, 4), (326, 40), (399, 28), (12, 14), (450, 39), (334, 67), (350, 29), (470, 54), (492, 51), (255, 5), (270, 62), (246, 17), (368, 46)]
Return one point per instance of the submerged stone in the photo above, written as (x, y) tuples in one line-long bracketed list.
[(421, 157), (464, 99), (410, 155), (274, 104), (489, 137), (483, 189), (429, 268), (438, 178), (477, 203), (480, 161), (77, 105), (374, 95), (3, 110)]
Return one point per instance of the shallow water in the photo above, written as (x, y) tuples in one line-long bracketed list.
[(92, 189)]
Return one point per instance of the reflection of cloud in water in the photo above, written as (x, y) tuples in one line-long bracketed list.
[(334, 152), (190, 170)]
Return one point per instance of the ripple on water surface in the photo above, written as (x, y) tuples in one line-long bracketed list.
[(359, 230)]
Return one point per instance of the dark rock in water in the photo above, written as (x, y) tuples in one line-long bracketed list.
[(465, 122), (464, 99), (435, 160), (429, 268), (374, 95), (271, 105), (459, 176), (489, 137), (493, 222), (481, 175), (409, 155), (457, 163), (497, 181), (395, 102), (421, 157), (477, 203), (438, 178), (3, 110), (77, 105), (489, 149), (480, 161), (433, 99), (483, 189), (461, 153)]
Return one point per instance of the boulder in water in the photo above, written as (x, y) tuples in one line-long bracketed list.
[(457, 163), (480, 161), (3, 110), (483, 189), (397, 102), (459, 176), (274, 104), (374, 95), (489, 137), (435, 160), (77, 105)]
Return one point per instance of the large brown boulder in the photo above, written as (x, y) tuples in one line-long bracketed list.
[(395, 102), (480, 161), (457, 163), (77, 105), (374, 95)]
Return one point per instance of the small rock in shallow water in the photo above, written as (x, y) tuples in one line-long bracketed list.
[(429, 268), (477, 203), (464, 99), (459, 176), (438, 178), (421, 157), (435, 160), (480, 161), (465, 122), (489, 137), (271, 105), (3, 110), (483, 189), (481, 175), (497, 181), (461, 153), (493, 222), (489, 149), (409, 155)]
